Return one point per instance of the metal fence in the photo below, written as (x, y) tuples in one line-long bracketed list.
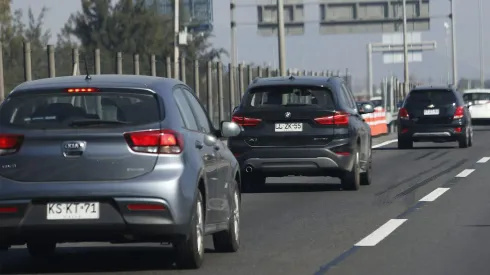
[(210, 80)]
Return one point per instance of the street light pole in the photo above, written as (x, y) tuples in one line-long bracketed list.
[(176, 38), (405, 49), (482, 56), (448, 58), (453, 38), (281, 37)]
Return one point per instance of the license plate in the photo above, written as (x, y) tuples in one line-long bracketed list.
[(289, 127), (73, 211), (431, 112)]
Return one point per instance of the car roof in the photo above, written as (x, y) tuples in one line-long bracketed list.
[(434, 87), (99, 81), (470, 91), (296, 80)]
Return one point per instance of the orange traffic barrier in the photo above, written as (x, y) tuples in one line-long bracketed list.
[(377, 121)]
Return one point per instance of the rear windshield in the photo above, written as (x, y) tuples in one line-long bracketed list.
[(424, 98), (476, 98), (57, 109), (275, 96)]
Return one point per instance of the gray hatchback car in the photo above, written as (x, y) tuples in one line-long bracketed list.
[(115, 158)]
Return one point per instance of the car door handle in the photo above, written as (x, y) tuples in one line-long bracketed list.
[(199, 144)]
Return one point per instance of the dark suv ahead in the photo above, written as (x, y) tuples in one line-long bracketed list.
[(302, 126), (436, 114)]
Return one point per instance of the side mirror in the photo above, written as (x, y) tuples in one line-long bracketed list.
[(230, 129), (366, 108)]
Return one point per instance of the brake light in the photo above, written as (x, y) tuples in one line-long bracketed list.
[(8, 210), (81, 90), (339, 118), (155, 142), (10, 143), (459, 113), (403, 113), (145, 207), (246, 121)]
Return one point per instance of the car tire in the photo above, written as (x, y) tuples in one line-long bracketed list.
[(351, 180), (190, 252), (404, 143), (470, 142), (229, 240), (464, 141), (41, 249), (366, 176), (253, 182)]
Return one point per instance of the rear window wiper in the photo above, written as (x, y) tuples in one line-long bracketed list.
[(89, 122)]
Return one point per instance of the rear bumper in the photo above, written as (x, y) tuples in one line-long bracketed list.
[(432, 133), (295, 161), (116, 223)]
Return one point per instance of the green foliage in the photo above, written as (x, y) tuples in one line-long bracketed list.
[(126, 26)]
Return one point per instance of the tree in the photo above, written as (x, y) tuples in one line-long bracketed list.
[(130, 26)]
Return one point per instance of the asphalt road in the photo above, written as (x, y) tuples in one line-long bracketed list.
[(308, 226)]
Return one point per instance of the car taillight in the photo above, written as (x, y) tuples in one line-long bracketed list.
[(403, 113), (81, 90), (339, 118), (246, 121), (10, 143), (459, 113), (155, 142)]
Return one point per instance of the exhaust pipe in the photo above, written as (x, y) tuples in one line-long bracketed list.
[(249, 169)]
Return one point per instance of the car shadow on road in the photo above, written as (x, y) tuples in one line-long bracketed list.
[(415, 148), (296, 188), (89, 260)]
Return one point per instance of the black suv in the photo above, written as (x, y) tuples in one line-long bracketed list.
[(436, 114), (302, 126)]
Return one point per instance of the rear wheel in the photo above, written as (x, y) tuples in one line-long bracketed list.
[(404, 143), (190, 252), (351, 180), (41, 249), (470, 142), (366, 175), (464, 142), (229, 240), (253, 181)]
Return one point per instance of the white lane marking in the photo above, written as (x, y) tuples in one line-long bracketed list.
[(432, 196), (382, 232), (483, 160), (384, 143), (465, 173)]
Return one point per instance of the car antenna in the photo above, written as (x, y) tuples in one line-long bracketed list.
[(87, 77)]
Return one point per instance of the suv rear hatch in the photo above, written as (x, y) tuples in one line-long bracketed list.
[(76, 134), (431, 106), (284, 115)]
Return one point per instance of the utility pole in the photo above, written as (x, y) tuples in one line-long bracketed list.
[(405, 50), (453, 38), (482, 55), (233, 52), (281, 37), (176, 38)]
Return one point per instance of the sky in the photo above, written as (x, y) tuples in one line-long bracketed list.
[(313, 51)]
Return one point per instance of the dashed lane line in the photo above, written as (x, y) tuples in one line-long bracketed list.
[(384, 143), (465, 173), (432, 196), (381, 233), (483, 160)]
